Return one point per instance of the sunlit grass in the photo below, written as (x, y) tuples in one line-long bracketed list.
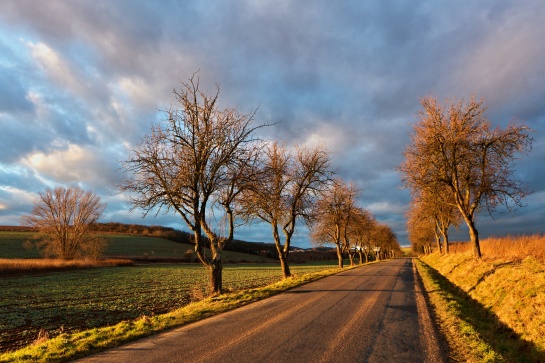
[(509, 283), (451, 309), (20, 265), (509, 248)]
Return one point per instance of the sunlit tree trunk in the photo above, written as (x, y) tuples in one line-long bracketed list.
[(446, 245), (283, 252), (474, 238), (340, 256)]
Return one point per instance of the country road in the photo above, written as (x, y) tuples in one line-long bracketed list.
[(375, 313)]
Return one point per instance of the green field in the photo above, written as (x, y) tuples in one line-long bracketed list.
[(65, 301), (80, 299)]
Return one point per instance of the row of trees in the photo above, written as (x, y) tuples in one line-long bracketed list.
[(456, 166), (206, 164), (336, 218)]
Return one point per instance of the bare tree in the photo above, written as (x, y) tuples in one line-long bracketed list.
[(197, 159), (420, 235), (285, 190), (454, 145), (384, 238), (332, 215), (422, 228), (63, 216), (441, 208), (361, 230)]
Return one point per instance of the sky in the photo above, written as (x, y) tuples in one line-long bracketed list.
[(81, 82)]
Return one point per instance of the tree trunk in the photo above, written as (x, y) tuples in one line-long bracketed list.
[(360, 253), (284, 265), (474, 235), (214, 264), (282, 252), (438, 241), (340, 256), (351, 257), (216, 271), (445, 242)]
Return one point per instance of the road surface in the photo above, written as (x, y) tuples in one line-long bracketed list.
[(375, 313)]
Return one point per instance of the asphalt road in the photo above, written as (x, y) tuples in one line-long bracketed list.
[(375, 313)]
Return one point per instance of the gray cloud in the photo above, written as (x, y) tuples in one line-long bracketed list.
[(85, 79)]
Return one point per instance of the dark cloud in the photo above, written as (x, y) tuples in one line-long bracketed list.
[(83, 80)]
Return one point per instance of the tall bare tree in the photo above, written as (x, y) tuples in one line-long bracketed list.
[(285, 190), (63, 216), (455, 145), (196, 159)]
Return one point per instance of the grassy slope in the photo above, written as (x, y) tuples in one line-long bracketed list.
[(491, 310)]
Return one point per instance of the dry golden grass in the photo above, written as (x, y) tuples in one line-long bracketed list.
[(498, 319), (36, 265), (509, 248), (509, 282)]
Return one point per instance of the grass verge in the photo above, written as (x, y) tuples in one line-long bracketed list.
[(473, 332), (67, 347), (20, 265)]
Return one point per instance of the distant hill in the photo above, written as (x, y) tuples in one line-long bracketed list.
[(176, 235)]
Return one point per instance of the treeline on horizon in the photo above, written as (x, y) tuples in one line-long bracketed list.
[(175, 235)]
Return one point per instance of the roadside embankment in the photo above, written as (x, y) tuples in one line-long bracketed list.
[(489, 309)]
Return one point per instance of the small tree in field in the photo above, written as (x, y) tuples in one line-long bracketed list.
[(63, 216)]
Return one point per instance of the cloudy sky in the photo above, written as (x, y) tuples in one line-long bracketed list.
[(81, 81)]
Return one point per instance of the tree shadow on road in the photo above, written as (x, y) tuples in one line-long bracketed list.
[(505, 342)]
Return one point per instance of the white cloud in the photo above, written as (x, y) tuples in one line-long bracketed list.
[(138, 91), (55, 67), (387, 208), (329, 135), (71, 165), (14, 202)]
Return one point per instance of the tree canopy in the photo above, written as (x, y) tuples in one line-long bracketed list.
[(455, 146)]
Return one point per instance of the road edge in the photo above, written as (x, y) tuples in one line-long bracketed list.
[(435, 351)]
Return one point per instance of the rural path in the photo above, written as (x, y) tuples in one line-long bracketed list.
[(375, 313)]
